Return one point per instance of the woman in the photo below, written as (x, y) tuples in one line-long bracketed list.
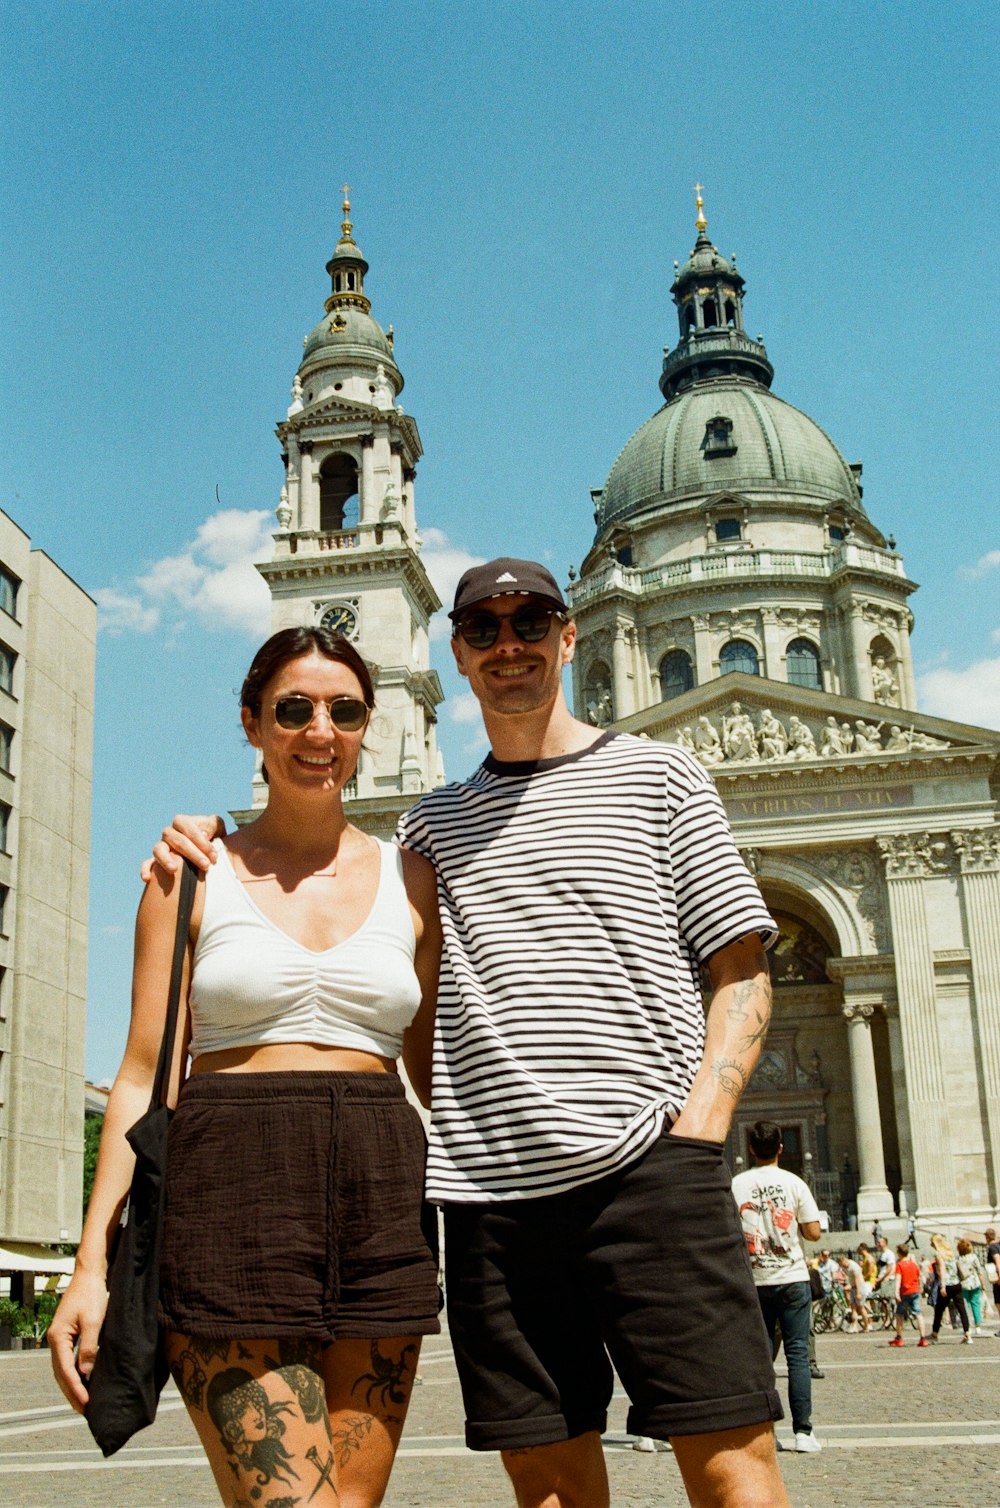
[(971, 1278), (297, 1275), (949, 1288)]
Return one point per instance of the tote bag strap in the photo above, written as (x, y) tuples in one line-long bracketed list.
[(185, 901)]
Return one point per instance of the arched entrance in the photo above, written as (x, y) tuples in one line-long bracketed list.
[(824, 1071)]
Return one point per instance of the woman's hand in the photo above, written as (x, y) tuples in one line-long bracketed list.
[(77, 1320), (186, 838)]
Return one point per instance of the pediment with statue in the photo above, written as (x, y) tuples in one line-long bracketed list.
[(745, 724)]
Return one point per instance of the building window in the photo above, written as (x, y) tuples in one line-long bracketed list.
[(7, 661), (718, 439), (727, 530), (709, 313), (4, 892), (6, 745), (803, 665), (8, 591), (4, 823), (739, 655), (676, 674), (836, 533)]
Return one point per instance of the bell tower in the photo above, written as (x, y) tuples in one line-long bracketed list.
[(347, 551)]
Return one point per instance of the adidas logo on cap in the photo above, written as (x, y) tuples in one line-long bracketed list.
[(506, 577)]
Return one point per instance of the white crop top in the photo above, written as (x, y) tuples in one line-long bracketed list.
[(251, 983)]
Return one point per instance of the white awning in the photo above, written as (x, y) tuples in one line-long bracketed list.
[(23, 1256)]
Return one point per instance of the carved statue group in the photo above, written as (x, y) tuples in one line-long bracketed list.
[(739, 742)]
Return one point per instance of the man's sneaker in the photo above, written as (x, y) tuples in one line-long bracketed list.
[(807, 1443), (643, 1442), (966, 1340), (922, 1341), (815, 1372), (897, 1341)]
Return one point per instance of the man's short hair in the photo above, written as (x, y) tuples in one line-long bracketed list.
[(764, 1139), (901, 1251)]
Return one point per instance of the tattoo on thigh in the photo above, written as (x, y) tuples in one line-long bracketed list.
[(388, 1376), (348, 1440), (300, 1363), (281, 1503), (325, 1469), (250, 1425)]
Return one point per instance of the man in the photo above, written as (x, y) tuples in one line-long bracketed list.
[(776, 1209), (827, 1269), (885, 1265), (907, 1275), (581, 1098)]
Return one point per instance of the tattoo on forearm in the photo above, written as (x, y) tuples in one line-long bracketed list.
[(742, 996), (759, 1032), (730, 1077)]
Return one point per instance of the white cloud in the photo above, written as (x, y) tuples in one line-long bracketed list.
[(463, 708), (988, 562), (971, 695), (444, 564), (212, 579), (118, 612)]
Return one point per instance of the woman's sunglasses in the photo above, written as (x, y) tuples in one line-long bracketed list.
[(482, 630), (348, 713)]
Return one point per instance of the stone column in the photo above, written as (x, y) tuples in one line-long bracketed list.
[(979, 860), (367, 506), (909, 861), (860, 665), (308, 494), (623, 694), (874, 1198), (773, 668), (703, 671), (897, 1063), (292, 481)]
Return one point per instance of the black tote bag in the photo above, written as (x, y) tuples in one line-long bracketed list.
[(131, 1365)]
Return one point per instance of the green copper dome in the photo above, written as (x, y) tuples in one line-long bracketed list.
[(347, 329), (726, 434)]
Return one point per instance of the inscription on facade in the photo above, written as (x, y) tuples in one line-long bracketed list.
[(819, 803)]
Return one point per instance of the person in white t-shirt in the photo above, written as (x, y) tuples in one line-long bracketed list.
[(858, 1292), (775, 1209)]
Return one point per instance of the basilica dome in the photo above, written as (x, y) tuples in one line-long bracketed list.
[(728, 434), (347, 329)]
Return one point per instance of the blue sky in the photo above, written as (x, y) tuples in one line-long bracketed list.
[(521, 185)]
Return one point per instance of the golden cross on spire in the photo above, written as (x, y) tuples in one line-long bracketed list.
[(701, 224), (346, 189)]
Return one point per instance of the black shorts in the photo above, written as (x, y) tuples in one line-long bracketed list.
[(647, 1265), (295, 1208)]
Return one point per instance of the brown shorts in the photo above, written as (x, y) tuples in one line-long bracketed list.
[(295, 1208)]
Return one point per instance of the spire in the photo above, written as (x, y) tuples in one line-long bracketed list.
[(700, 224), (708, 293), (347, 267)]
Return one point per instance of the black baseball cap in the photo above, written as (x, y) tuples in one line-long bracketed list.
[(506, 577)]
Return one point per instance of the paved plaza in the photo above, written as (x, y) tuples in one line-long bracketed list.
[(897, 1427)]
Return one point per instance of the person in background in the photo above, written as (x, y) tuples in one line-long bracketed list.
[(908, 1282), (857, 1293), (828, 1270), (970, 1275), (867, 1263), (776, 1207), (949, 1288), (993, 1261), (884, 1266)]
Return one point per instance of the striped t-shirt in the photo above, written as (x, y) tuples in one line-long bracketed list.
[(579, 896)]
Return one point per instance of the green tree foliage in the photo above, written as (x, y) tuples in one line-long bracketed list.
[(91, 1141)]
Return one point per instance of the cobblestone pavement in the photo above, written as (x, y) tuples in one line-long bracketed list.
[(897, 1427)]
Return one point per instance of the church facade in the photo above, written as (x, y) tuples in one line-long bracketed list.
[(738, 600)]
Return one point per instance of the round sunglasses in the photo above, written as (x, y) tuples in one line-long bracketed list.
[(481, 630), (348, 713)]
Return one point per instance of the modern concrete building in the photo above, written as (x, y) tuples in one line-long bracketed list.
[(47, 654), (347, 551), (737, 599)]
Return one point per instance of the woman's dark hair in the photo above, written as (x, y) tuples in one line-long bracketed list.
[(291, 644)]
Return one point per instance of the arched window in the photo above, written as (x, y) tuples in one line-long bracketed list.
[(709, 313), (730, 312), (338, 483), (598, 702), (803, 665), (739, 655), (676, 674), (689, 318)]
